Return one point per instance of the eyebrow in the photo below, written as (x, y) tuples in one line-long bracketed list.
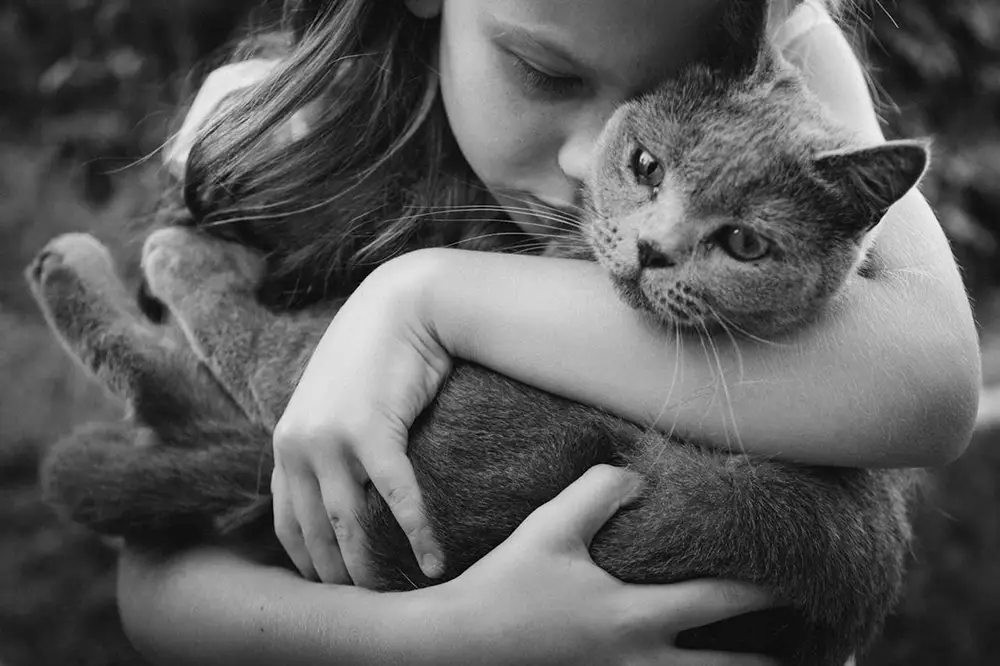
[(520, 35)]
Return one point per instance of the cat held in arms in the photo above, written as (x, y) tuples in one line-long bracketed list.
[(727, 201)]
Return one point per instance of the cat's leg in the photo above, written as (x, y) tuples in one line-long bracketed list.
[(74, 282), (122, 479), (188, 462), (209, 286), (94, 316)]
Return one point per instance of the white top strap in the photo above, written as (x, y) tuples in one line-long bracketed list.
[(218, 85), (806, 17)]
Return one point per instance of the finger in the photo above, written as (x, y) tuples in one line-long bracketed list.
[(695, 603), (344, 501), (392, 475), (317, 533), (287, 528), (581, 509)]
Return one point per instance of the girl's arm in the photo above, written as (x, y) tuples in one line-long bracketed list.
[(211, 606), (888, 378), (537, 598)]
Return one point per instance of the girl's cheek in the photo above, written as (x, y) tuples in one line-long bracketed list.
[(503, 136)]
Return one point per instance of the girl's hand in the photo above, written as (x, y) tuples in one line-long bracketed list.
[(347, 422), (539, 598), (536, 599)]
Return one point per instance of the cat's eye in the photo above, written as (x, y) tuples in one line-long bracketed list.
[(647, 169), (743, 244)]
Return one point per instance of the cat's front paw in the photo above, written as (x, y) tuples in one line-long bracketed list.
[(76, 252), (72, 272), (178, 262)]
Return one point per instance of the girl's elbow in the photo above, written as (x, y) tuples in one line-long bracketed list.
[(134, 605), (948, 402), (152, 613)]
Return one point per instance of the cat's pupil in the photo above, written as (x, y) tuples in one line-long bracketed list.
[(743, 244), (647, 169)]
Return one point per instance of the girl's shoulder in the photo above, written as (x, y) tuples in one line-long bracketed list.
[(804, 18), (218, 85)]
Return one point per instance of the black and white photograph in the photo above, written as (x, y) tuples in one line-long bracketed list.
[(500, 332)]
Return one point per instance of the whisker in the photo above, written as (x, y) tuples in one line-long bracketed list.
[(715, 378), (727, 397), (745, 333), (678, 369), (736, 346)]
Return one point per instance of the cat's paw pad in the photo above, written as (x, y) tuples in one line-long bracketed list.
[(74, 282), (71, 258), (176, 261)]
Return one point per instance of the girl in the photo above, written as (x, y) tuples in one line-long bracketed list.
[(430, 94)]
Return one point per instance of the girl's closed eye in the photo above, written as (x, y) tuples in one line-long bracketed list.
[(539, 81)]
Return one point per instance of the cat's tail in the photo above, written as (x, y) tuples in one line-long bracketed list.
[(120, 479)]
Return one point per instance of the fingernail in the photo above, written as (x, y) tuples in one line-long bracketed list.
[(432, 566)]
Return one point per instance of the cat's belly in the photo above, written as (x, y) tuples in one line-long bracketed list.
[(829, 542)]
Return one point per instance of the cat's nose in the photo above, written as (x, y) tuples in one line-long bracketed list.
[(651, 255)]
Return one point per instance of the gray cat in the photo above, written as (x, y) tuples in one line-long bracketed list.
[(724, 200)]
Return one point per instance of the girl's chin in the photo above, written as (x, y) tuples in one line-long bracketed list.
[(532, 215)]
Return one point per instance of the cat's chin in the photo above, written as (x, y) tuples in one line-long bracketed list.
[(667, 314), (631, 293)]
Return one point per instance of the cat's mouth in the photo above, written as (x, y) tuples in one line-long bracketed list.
[(674, 306)]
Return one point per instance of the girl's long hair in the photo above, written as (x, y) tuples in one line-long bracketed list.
[(378, 162), (378, 172)]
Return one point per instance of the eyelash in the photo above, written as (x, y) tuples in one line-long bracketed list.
[(537, 81)]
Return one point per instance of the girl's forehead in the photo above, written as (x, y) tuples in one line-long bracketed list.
[(625, 39)]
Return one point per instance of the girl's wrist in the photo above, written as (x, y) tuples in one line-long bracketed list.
[(413, 285), (435, 628)]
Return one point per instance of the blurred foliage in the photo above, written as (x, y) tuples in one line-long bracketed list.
[(938, 65), (106, 75), (92, 86)]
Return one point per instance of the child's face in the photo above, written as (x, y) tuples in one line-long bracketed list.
[(529, 84)]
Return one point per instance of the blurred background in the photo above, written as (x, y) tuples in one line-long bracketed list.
[(90, 90)]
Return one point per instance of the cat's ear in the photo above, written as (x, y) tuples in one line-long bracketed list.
[(739, 41), (875, 177)]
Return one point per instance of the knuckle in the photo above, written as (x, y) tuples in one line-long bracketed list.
[(730, 593), (289, 537), (292, 435), (342, 529), (319, 543), (738, 595), (415, 530), (286, 434), (399, 497), (630, 616)]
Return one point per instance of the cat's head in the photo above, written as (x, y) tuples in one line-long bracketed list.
[(739, 205)]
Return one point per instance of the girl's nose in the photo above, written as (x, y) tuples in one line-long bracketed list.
[(576, 155)]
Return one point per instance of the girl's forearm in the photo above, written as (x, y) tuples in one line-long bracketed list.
[(889, 378), (844, 391), (210, 606)]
